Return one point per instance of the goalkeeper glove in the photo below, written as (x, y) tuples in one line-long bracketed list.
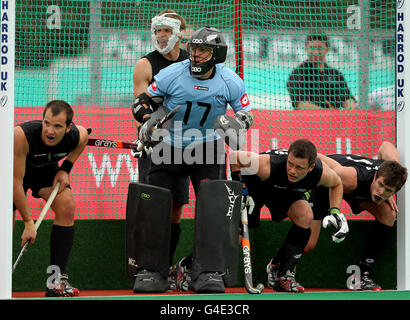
[(337, 220), (234, 128)]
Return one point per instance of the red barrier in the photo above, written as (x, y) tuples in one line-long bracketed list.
[(101, 176)]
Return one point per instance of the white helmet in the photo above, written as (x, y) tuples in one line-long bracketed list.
[(161, 22)]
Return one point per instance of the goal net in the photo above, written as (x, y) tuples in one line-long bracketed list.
[(84, 52)]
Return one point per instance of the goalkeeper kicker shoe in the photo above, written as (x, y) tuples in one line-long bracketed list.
[(61, 288), (287, 283), (150, 281), (209, 282)]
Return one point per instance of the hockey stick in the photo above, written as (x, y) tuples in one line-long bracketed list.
[(247, 262), (38, 222), (105, 143)]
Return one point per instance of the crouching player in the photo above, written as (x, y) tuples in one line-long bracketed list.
[(281, 179), (368, 184), (38, 146)]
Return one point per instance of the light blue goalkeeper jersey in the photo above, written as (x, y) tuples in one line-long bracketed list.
[(201, 101)]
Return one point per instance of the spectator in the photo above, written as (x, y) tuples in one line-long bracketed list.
[(314, 84)]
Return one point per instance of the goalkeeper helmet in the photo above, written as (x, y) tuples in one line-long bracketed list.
[(208, 38)]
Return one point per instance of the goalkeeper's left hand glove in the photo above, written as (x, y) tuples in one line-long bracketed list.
[(338, 220), (234, 128)]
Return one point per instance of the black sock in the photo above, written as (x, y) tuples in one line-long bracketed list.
[(61, 242), (276, 259), (379, 235), (175, 234), (292, 249)]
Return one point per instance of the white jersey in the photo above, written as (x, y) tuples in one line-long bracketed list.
[(201, 101)]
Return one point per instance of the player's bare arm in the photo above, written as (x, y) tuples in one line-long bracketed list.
[(21, 150), (331, 180), (387, 151), (142, 76), (252, 162), (63, 176), (348, 175)]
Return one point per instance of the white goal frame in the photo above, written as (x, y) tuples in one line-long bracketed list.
[(6, 145), (403, 143), (7, 47)]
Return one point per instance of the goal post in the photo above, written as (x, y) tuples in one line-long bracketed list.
[(403, 141), (6, 145)]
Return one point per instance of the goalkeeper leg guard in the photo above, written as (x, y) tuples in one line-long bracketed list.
[(148, 224), (231, 251), (218, 206)]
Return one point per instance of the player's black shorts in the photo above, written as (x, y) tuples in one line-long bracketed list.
[(278, 202), (319, 201), (211, 166), (38, 178)]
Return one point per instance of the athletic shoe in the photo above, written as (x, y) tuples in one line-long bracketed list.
[(287, 283), (61, 288), (150, 281), (367, 283), (183, 275), (209, 282), (272, 271), (172, 277)]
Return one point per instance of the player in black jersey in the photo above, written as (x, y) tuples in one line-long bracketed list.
[(38, 147), (368, 184), (281, 179), (167, 32)]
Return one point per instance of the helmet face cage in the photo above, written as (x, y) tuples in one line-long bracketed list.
[(210, 38), (171, 23)]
